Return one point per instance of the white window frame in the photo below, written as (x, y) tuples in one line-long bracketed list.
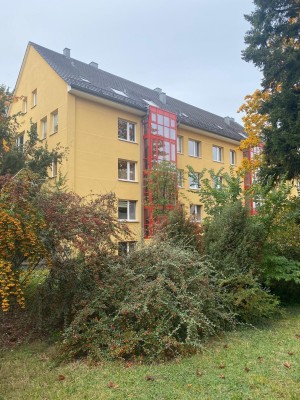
[(232, 156), (20, 141), (128, 124), (44, 128), (180, 177), (130, 246), (196, 148), (54, 169), (34, 98), (54, 121), (128, 164), (217, 182), (192, 184), (217, 153), (128, 204), (180, 144), (196, 212), (24, 105)]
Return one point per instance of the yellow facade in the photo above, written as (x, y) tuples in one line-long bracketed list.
[(88, 128)]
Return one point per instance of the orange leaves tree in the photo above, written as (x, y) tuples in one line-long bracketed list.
[(21, 236)]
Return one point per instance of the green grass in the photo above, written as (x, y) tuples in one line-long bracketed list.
[(27, 372)]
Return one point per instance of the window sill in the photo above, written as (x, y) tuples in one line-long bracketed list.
[(220, 162), (194, 156), (53, 133), (127, 141), (33, 106), (128, 220), (127, 180)]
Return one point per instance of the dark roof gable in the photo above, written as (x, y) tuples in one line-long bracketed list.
[(87, 78)]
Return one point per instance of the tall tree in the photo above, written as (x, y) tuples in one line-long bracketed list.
[(273, 46)]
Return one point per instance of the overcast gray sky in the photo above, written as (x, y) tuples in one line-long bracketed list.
[(191, 49)]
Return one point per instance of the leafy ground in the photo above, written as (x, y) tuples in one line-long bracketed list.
[(247, 364)]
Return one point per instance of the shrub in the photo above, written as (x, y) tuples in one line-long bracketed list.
[(178, 229), (156, 303), (234, 240), (248, 299)]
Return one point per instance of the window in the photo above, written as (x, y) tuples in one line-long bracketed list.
[(179, 144), (54, 169), (126, 247), (194, 148), (126, 170), (126, 130), (195, 212), (194, 180), (44, 128), (217, 182), (20, 141), (54, 117), (232, 157), (217, 154), (127, 210), (180, 177), (34, 98), (24, 105)]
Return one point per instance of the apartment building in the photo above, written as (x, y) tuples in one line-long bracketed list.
[(115, 130)]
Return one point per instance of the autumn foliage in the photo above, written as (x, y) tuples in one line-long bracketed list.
[(21, 238)]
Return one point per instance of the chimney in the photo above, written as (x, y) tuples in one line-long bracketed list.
[(162, 95), (228, 120), (67, 52), (94, 64)]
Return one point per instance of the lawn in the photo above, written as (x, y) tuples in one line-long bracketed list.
[(246, 364)]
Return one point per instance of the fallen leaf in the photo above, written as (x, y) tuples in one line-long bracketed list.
[(222, 366), (297, 336), (290, 353), (287, 364), (112, 385), (198, 372), (61, 377), (190, 385), (247, 369), (150, 378), (260, 359), (226, 345), (222, 376)]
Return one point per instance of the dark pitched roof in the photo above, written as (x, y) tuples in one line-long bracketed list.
[(86, 78)]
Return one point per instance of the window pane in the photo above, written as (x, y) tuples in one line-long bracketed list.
[(172, 134), (122, 129), (132, 210), (153, 117), (173, 157), (131, 132), (197, 149), (191, 147), (179, 144), (122, 209), (172, 123), (167, 151), (160, 119), (132, 171), (122, 248), (166, 121), (160, 130), (153, 129), (167, 132), (122, 169)]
